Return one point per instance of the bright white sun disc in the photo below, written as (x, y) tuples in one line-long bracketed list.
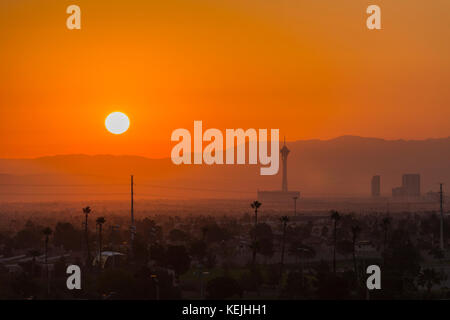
[(117, 122)]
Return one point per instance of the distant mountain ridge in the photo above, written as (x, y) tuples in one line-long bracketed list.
[(342, 166)]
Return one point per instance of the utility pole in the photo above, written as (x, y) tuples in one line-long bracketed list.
[(155, 280), (441, 199), (295, 205), (88, 254), (46, 266), (86, 212), (132, 228), (100, 247)]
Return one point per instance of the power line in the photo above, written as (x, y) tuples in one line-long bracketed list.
[(57, 193), (139, 185), (197, 189), (60, 185)]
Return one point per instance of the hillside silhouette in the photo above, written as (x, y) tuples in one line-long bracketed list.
[(338, 167)]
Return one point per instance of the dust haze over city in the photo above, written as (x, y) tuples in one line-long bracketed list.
[(199, 219), (88, 180)]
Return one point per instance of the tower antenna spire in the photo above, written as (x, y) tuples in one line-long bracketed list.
[(441, 207), (132, 227), (284, 155)]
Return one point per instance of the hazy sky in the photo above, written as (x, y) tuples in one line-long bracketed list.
[(309, 68)]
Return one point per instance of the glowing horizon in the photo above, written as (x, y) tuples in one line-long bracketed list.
[(310, 69)]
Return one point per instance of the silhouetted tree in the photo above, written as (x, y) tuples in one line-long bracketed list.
[(100, 221), (47, 232), (214, 233), (222, 288), (335, 216), (262, 240), (157, 253), (264, 246), (385, 224), (140, 250), (429, 277), (150, 230), (401, 268), (204, 232), (67, 236), (178, 259), (252, 280), (60, 267), (324, 231), (33, 253), (29, 237), (356, 230), (86, 212), (177, 235), (255, 205), (344, 247), (303, 252), (198, 250), (332, 286), (117, 282), (211, 260), (296, 286), (284, 220)]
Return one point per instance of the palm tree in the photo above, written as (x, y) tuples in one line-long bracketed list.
[(429, 277), (356, 230), (303, 253), (335, 216), (255, 205), (204, 233), (47, 232), (385, 224), (86, 212), (255, 246), (100, 221), (284, 220), (33, 253)]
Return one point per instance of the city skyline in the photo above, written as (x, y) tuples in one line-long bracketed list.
[(241, 150)]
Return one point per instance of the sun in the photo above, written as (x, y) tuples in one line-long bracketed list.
[(117, 122)]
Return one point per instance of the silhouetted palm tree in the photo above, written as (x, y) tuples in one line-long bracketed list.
[(255, 246), (356, 230), (86, 212), (335, 216), (284, 220), (385, 224), (204, 233), (255, 205), (47, 232), (429, 277), (100, 221), (33, 253)]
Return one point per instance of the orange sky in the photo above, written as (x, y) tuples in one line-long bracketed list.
[(309, 68)]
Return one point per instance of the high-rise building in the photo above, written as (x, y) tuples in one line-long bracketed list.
[(376, 186), (410, 186), (398, 192)]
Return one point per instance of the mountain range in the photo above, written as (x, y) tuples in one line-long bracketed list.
[(337, 167)]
